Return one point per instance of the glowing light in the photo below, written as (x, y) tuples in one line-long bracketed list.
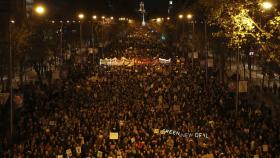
[(180, 16), (81, 16), (189, 16), (40, 9), (158, 20), (94, 17), (267, 5)]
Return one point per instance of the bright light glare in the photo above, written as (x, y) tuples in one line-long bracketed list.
[(267, 5), (12, 21), (94, 17), (81, 16), (112, 18), (158, 20), (189, 16), (40, 9), (180, 16)]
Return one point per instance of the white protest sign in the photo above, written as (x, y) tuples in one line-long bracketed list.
[(114, 136), (68, 152), (78, 150), (265, 148)]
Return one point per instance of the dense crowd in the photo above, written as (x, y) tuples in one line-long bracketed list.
[(82, 112), (74, 117)]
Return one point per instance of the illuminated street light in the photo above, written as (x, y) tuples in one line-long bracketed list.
[(158, 20), (103, 17), (189, 16), (267, 5), (94, 17), (40, 9), (112, 18), (12, 21), (168, 18), (180, 16), (81, 16)]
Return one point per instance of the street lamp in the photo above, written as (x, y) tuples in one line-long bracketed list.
[(81, 16), (40, 9), (61, 40), (267, 5), (11, 75), (112, 18), (158, 20), (189, 16), (181, 16), (94, 17)]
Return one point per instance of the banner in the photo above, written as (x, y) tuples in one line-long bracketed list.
[(131, 62)]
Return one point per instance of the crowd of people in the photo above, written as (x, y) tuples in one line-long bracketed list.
[(75, 117)]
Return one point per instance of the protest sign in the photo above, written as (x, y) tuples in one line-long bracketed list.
[(265, 148), (68, 152), (114, 136), (162, 132), (208, 156), (78, 150), (99, 154), (121, 123), (52, 123), (243, 86), (156, 131), (210, 63)]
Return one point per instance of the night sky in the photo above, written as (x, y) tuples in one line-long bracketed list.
[(70, 8)]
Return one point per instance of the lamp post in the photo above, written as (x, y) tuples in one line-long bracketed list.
[(11, 78), (190, 17), (102, 34), (94, 17), (81, 16), (61, 41), (206, 53)]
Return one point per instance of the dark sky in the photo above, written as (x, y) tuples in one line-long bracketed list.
[(70, 8)]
